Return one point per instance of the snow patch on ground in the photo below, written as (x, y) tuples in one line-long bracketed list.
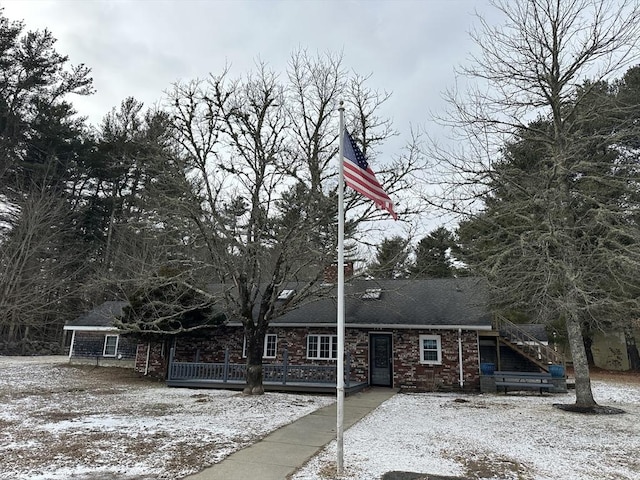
[(519, 437), (61, 422)]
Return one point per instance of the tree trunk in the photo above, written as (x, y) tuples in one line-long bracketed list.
[(107, 254), (584, 396), (24, 341), (12, 329), (632, 349), (254, 347), (588, 342)]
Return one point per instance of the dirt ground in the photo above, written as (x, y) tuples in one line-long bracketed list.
[(600, 374), (64, 394), (62, 421)]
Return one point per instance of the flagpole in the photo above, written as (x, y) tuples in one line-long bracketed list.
[(340, 313)]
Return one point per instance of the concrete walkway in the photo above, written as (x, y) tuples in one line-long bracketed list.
[(283, 451)]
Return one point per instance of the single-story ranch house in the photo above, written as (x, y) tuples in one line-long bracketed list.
[(94, 339), (415, 335)]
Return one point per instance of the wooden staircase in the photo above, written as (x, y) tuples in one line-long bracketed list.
[(526, 344)]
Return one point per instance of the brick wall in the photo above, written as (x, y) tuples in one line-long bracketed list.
[(211, 348), (157, 361), (408, 373), (207, 349)]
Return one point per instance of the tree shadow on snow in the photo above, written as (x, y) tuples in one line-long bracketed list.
[(417, 476), (589, 410)]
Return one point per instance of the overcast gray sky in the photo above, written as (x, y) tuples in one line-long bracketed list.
[(140, 47)]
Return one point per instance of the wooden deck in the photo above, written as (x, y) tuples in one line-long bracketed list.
[(276, 377), (303, 387)]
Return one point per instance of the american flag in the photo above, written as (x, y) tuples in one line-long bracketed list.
[(359, 176)]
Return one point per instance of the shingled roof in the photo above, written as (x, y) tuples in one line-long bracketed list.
[(440, 303), (101, 316), (437, 303)]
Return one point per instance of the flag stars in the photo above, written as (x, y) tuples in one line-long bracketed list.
[(360, 159)]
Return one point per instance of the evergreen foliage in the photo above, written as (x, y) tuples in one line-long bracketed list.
[(434, 255), (392, 259), (170, 306)]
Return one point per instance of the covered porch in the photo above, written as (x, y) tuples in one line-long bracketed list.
[(276, 376)]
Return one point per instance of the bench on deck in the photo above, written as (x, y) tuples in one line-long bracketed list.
[(523, 380)]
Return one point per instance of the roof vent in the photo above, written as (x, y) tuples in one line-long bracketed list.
[(372, 294), (286, 294)]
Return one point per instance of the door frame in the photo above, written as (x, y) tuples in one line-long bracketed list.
[(389, 335)]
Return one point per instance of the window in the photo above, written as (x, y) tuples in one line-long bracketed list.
[(270, 349), (270, 342), (322, 347), (110, 346), (430, 349)]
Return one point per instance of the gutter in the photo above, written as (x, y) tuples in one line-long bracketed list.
[(460, 357), (399, 326), (73, 328)]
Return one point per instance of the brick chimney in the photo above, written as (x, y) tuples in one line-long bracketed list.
[(331, 272)]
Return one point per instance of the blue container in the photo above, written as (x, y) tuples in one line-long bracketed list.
[(556, 371), (487, 368)]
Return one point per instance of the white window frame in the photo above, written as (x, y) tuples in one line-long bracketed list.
[(115, 347), (438, 350), (333, 346), (265, 349)]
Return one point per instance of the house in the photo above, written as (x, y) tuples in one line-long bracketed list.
[(94, 339), (415, 335), (616, 349)]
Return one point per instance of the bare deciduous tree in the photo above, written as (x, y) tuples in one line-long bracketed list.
[(263, 200), (530, 76), (38, 270)]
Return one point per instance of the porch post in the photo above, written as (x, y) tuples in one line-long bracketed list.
[(171, 352), (348, 369), (73, 340), (225, 374), (285, 366)]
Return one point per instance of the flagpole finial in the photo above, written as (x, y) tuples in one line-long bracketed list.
[(341, 107)]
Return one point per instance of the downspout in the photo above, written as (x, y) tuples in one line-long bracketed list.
[(73, 340), (460, 357), (146, 365)]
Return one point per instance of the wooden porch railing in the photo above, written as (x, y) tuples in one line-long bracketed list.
[(281, 373), (527, 343)]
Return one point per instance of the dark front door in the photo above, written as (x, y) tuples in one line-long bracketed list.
[(380, 360)]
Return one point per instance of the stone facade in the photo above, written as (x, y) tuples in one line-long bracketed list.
[(211, 348), (152, 359), (408, 373)]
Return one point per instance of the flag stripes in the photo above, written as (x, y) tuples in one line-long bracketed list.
[(359, 176)]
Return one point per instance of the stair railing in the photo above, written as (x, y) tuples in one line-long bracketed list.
[(526, 342)]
